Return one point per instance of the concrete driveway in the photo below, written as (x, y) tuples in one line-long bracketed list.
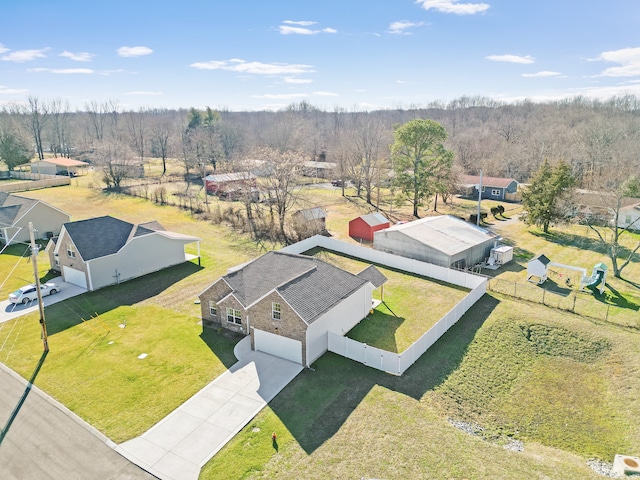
[(10, 310), (178, 446)]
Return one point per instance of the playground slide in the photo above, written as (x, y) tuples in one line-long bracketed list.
[(595, 281)]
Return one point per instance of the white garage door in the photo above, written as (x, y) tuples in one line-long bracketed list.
[(278, 346), (77, 277)]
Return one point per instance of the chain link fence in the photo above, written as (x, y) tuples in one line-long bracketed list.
[(580, 303)]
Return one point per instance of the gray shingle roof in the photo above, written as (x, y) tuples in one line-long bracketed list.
[(97, 237), (13, 207), (542, 259), (373, 275), (309, 285)]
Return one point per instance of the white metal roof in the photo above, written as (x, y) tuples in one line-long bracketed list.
[(447, 234)]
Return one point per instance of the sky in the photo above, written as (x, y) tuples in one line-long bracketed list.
[(247, 55)]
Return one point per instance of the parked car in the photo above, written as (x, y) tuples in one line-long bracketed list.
[(28, 293), (336, 183)]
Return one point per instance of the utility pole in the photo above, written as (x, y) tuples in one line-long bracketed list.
[(34, 258), (479, 198)]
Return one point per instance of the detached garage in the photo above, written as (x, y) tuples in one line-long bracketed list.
[(444, 240), (363, 227)]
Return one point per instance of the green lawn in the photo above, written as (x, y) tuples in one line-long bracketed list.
[(411, 306), (565, 386)]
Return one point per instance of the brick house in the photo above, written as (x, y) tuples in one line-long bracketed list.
[(288, 303)]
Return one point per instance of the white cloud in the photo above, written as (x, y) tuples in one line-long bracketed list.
[(628, 58), (300, 30), (543, 73), (143, 93), (134, 51), (452, 6), (511, 58), (11, 91), (399, 28), (257, 68), (304, 23), (297, 80), (281, 96), (62, 71), (78, 57), (24, 55), (285, 30), (325, 94), (3, 48)]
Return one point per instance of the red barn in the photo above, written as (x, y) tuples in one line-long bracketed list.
[(364, 226)]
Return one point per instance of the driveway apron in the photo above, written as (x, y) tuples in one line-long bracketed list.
[(179, 445)]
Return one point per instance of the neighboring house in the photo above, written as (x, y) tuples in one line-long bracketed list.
[(104, 251), (445, 240), (493, 188), (227, 183), (365, 226), (318, 169), (311, 220), (629, 217), (599, 209), (16, 212), (288, 303), (58, 166)]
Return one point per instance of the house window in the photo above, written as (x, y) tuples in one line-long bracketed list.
[(627, 219), (495, 192), (213, 309), (276, 312), (56, 261), (234, 316), (71, 251)]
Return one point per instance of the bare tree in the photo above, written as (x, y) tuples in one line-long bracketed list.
[(116, 161), (38, 114), (60, 116), (161, 135), (137, 128)]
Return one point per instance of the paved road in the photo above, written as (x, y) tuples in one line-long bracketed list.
[(9, 310), (40, 439), (178, 446)]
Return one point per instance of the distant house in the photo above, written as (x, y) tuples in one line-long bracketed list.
[(288, 303), (493, 188), (57, 166), (599, 209), (16, 212), (227, 183), (365, 226), (318, 169), (104, 251), (312, 220), (629, 217), (444, 240)]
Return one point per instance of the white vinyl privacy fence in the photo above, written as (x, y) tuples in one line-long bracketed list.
[(391, 362)]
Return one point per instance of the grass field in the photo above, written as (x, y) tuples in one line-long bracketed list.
[(551, 379), (412, 305), (567, 386)]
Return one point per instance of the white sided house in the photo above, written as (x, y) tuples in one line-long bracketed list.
[(289, 303), (17, 212), (629, 217), (104, 251), (444, 240)]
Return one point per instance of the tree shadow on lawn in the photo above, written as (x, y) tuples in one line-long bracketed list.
[(74, 310), (614, 297), (317, 403), (584, 243)]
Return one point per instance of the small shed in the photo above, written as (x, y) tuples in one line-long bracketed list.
[(363, 227), (312, 219), (537, 267), (226, 182)]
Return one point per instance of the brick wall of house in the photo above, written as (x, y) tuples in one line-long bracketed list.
[(65, 260), (218, 290), (290, 324), (232, 302)]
